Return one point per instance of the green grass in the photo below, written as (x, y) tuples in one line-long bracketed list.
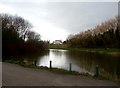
[(60, 71), (57, 46), (96, 49), (55, 70), (65, 47)]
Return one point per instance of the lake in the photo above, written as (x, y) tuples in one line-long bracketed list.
[(85, 62)]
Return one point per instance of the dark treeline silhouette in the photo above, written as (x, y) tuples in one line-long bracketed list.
[(17, 39), (106, 35)]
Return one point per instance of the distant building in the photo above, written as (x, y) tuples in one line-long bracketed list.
[(57, 42)]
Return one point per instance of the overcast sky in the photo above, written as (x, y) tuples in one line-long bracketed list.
[(55, 20)]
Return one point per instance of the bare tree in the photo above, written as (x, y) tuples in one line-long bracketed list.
[(20, 25)]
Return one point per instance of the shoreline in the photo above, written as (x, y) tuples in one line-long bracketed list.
[(99, 50), (62, 71), (38, 77)]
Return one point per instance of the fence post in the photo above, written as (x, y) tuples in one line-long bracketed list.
[(70, 68), (97, 71), (50, 64), (35, 63)]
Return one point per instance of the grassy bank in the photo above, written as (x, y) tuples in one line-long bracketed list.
[(56, 46), (56, 70), (53, 69), (59, 70), (64, 46)]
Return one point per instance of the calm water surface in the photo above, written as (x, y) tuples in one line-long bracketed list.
[(83, 61)]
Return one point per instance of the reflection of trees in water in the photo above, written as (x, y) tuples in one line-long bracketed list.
[(84, 60), (28, 60), (88, 60), (57, 52)]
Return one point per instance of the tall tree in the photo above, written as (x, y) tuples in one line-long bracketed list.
[(19, 25)]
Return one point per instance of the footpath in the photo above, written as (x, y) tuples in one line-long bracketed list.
[(15, 75)]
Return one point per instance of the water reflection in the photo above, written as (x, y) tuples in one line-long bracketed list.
[(31, 59), (83, 61), (109, 65), (57, 57)]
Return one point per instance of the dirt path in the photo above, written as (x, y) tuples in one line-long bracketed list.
[(15, 75)]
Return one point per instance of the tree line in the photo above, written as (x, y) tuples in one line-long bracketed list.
[(105, 35), (18, 39)]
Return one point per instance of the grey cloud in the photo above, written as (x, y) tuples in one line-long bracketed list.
[(72, 16), (76, 16)]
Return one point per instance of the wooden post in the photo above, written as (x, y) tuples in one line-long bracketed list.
[(50, 64), (35, 63), (70, 68), (97, 71)]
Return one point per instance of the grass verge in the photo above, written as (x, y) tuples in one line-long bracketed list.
[(101, 50), (57, 70)]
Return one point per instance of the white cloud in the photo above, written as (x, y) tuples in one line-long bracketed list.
[(23, 1), (49, 31), (6, 9), (55, 20)]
